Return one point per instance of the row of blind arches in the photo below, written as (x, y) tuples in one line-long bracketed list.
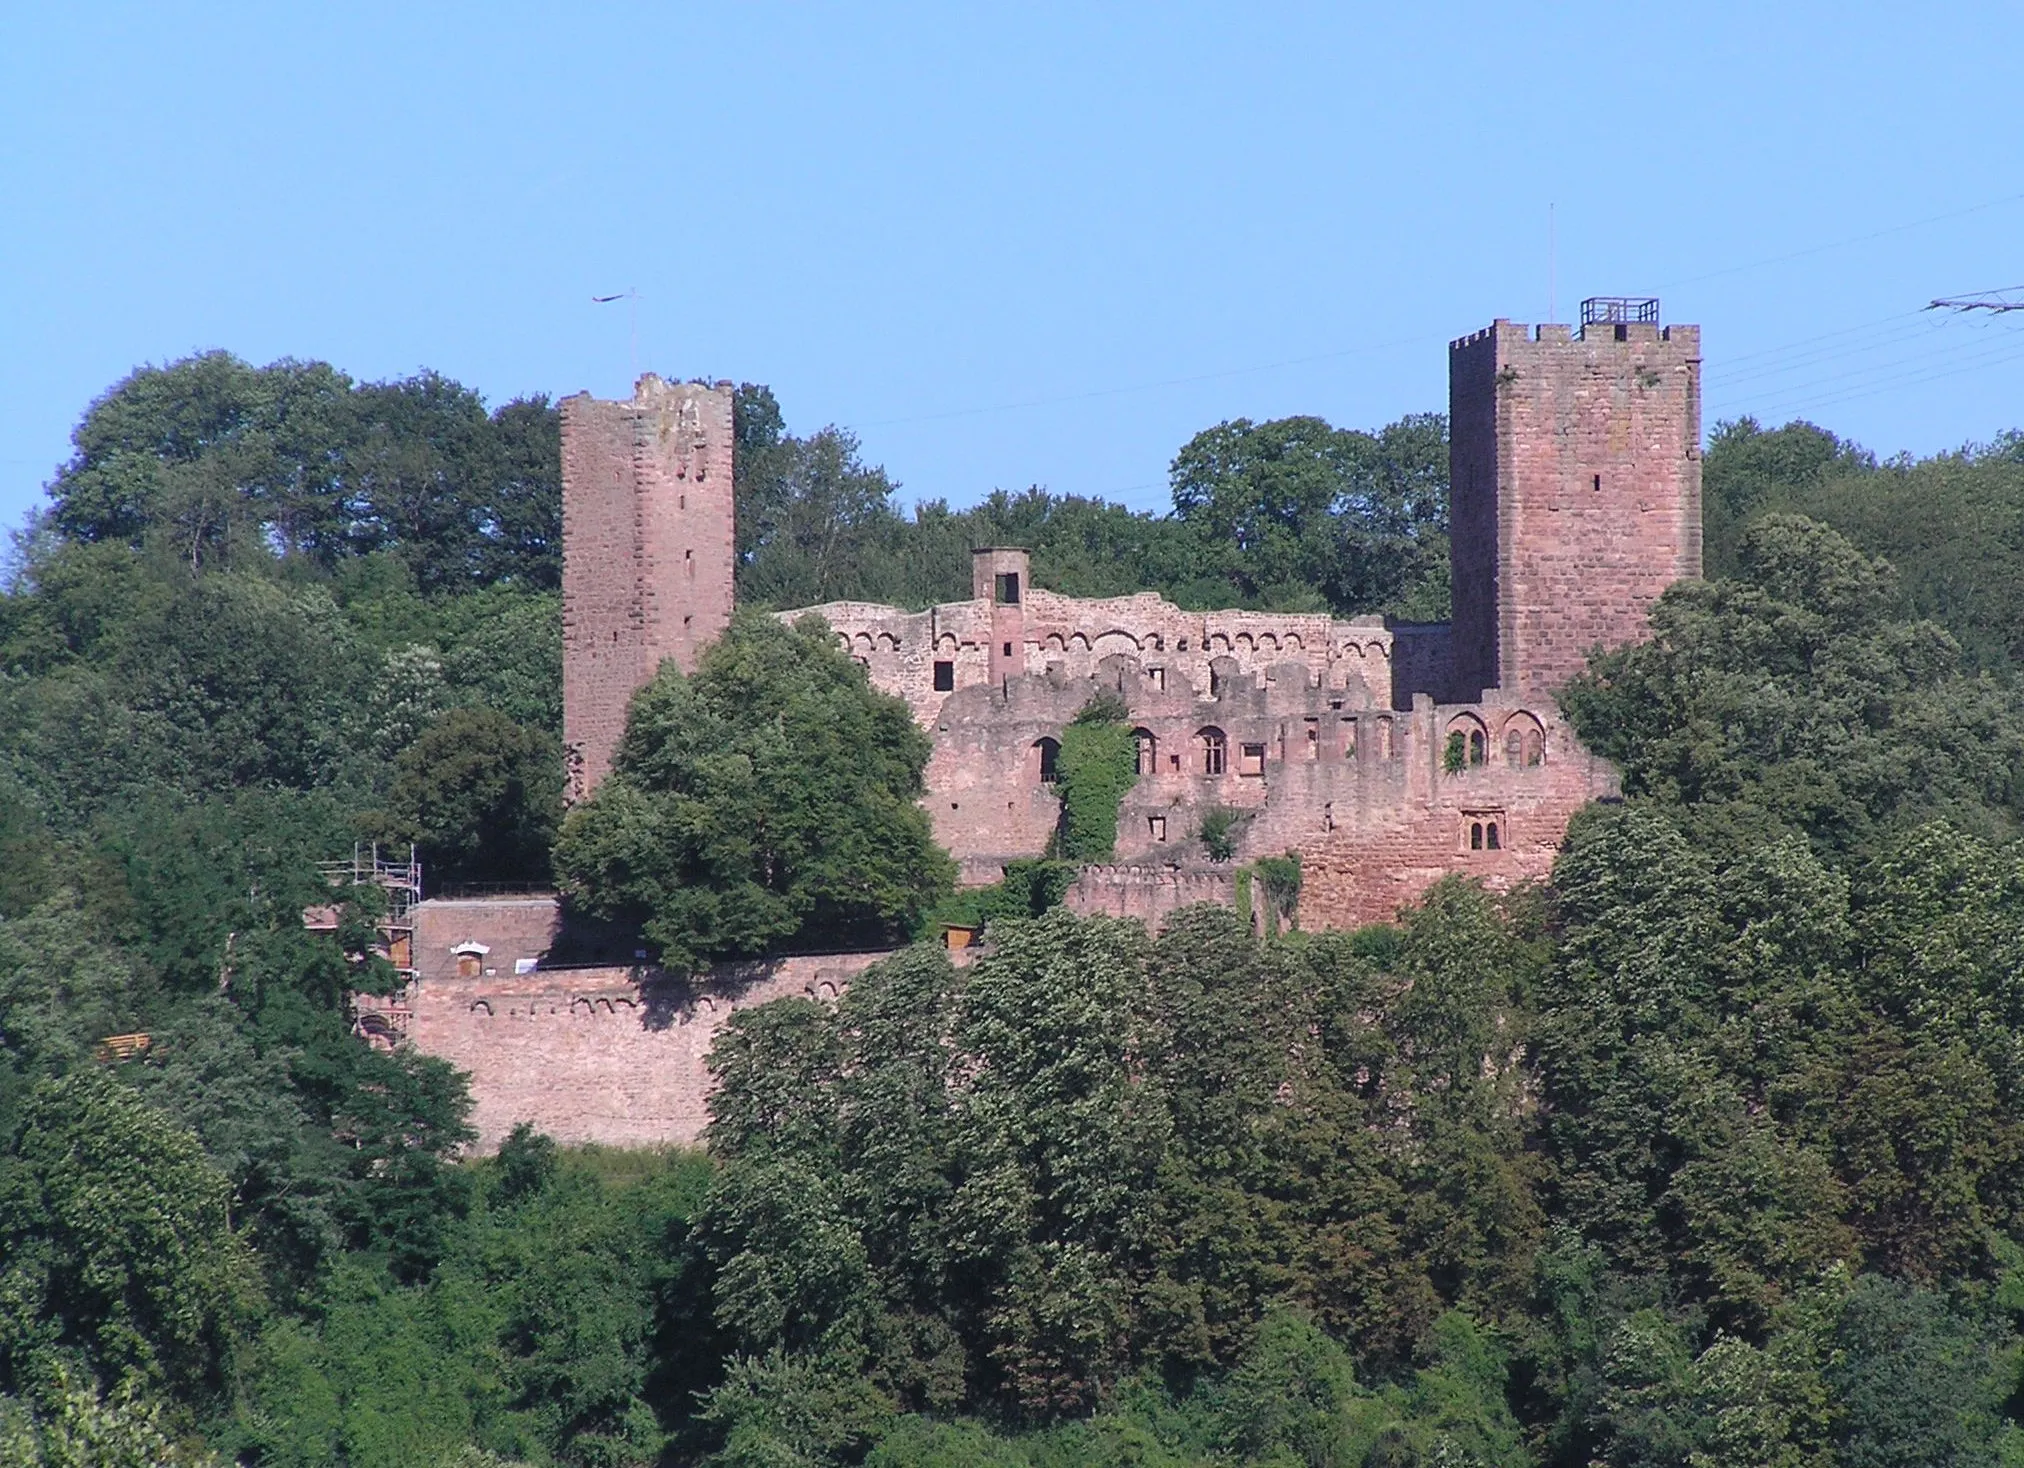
[(1210, 755)]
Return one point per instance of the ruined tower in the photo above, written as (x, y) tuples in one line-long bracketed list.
[(1575, 488), (648, 548)]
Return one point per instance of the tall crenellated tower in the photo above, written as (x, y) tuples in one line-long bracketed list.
[(1574, 488), (647, 551)]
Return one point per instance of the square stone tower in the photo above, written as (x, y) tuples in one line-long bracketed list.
[(647, 551), (1574, 488)]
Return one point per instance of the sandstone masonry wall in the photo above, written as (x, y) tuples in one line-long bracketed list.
[(614, 1055), (1575, 492), (648, 551)]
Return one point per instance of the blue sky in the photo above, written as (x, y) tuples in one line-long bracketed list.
[(1011, 245)]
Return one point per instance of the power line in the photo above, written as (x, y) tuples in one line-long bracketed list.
[(1809, 347), (1860, 239), (2009, 298)]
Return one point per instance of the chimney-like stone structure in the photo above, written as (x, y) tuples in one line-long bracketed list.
[(1002, 575), (648, 550)]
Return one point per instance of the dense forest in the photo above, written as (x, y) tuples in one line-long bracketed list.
[(1709, 1152)]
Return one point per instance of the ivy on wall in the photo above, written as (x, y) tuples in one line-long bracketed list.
[(1280, 877), (1097, 765)]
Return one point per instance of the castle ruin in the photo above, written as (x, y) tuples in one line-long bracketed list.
[(1385, 755)]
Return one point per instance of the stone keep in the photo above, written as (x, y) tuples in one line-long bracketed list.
[(647, 551), (1575, 492)]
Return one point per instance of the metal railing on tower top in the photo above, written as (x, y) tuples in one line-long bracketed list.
[(1619, 310)]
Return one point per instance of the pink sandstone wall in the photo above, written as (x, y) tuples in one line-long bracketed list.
[(615, 1055), (648, 551), (600, 1055), (1575, 492)]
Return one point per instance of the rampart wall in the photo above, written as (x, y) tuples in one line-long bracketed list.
[(615, 1055)]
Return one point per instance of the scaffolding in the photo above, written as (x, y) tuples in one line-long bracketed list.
[(382, 1020)]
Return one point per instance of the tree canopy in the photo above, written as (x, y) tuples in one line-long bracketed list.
[(771, 798), (1708, 1152)]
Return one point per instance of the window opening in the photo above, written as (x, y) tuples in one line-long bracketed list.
[(1050, 751), (1215, 753), (1490, 834), (945, 676), (1349, 738), (1475, 835), (1156, 827), (1598, 484), (1008, 649), (1008, 588), (1514, 749), (1314, 738), (1252, 760), (1158, 677), (1148, 751), (1475, 746)]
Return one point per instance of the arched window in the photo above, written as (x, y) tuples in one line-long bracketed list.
[(1148, 751), (1483, 830), (1468, 743), (1046, 752), (1524, 741), (1215, 751)]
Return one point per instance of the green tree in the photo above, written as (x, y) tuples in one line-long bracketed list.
[(1797, 700), (480, 798), (1296, 503), (769, 798), (214, 459), (116, 1245)]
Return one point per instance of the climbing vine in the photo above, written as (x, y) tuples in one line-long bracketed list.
[(1097, 765), (1280, 877)]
